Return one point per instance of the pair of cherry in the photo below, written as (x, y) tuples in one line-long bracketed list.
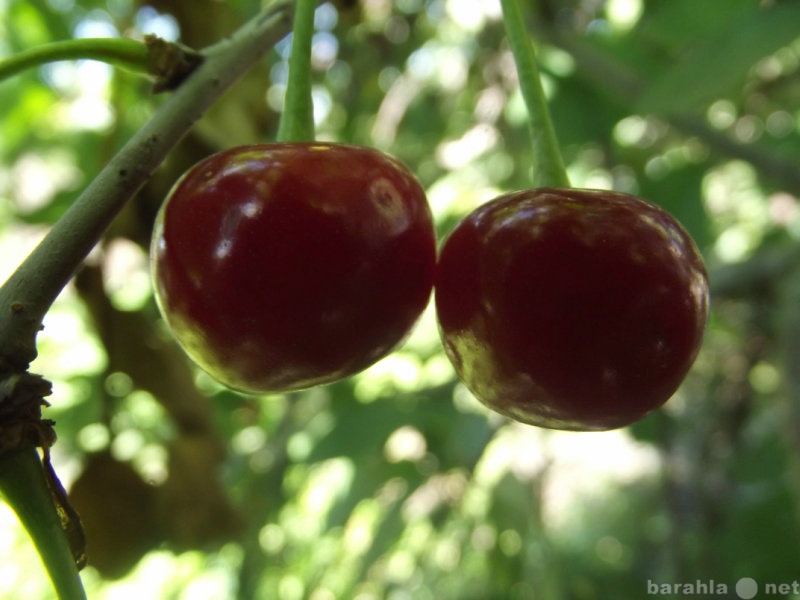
[(285, 266)]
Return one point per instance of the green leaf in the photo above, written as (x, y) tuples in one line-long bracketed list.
[(674, 23), (718, 65)]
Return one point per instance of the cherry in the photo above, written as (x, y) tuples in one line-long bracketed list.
[(571, 309), (285, 266)]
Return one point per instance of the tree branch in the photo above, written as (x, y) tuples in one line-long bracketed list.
[(28, 294), (25, 488)]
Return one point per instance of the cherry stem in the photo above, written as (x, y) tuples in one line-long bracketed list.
[(297, 119), (548, 168), (23, 486)]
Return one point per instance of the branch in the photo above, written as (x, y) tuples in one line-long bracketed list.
[(24, 486), (28, 294), (168, 63)]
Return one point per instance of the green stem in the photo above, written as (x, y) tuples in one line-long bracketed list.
[(297, 118), (548, 169), (116, 51), (23, 485)]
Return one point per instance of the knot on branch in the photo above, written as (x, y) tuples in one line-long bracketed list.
[(169, 62), (21, 423)]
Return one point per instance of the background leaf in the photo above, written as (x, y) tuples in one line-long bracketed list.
[(717, 65)]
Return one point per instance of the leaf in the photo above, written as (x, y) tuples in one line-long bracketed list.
[(718, 65), (674, 23)]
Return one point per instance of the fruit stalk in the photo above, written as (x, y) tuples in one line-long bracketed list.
[(23, 486), (548, 167), (297, 119)]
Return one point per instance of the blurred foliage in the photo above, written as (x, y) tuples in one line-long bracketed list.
[(396, 483)]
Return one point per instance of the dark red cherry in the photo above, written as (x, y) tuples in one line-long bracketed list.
[(284, 266), (571, 309)]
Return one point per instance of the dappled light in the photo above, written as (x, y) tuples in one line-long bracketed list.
[(396, 482)]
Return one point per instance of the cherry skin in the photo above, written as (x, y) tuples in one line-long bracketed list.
[(571, 309), (285, 266)]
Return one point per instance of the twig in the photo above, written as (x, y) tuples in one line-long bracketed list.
[(122, 52), (23, 485)]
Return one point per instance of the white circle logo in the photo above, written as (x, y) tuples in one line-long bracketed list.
[(746, 588)]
